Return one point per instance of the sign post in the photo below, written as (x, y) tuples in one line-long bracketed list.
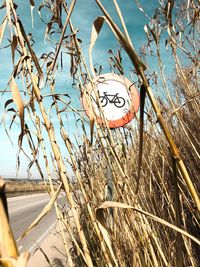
[(113, 98)]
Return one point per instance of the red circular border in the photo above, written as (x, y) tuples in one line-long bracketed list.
[(134, 96)]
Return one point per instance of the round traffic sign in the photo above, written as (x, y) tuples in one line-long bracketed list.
[(112, 97)]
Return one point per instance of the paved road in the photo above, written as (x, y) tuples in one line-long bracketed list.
[(22, 211)]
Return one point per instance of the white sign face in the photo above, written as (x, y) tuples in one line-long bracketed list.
[(117, 97), (113, 99)]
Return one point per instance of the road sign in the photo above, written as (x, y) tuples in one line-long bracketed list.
[(112, 97)]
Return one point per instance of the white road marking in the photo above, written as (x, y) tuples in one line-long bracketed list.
[(16, 204), (32, 204), (13, 199), (37, 242)]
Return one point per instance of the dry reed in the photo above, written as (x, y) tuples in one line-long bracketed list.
[(150, 176)]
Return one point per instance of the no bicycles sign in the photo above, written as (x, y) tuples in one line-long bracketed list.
[(111, 97)]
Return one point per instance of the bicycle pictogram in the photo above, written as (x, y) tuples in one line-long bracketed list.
[(118, 101)]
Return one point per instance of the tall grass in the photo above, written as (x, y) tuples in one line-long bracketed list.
[(133, 199)]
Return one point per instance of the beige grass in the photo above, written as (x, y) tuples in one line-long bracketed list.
[(152, 167), (20, 187)]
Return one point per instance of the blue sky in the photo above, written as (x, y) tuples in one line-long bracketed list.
[(84, 14)]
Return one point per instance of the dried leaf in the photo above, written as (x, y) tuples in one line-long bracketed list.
[(20, 106), (102, 226), (13, 47), (91, 131), (21, 261), (39, 9), (13, 119), (63, 32), (2, 6), (32, 3), (139, 65), (146, 29), (32, 7), (34, 57), (2, 28), (11, 110), (142, 103), (8, 9), (7, 243), (8, 102), (46, 209), (111, 204), (96, 28), (141, 9)]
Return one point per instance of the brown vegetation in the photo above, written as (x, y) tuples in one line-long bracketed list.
[(134, 199), (20, 187)]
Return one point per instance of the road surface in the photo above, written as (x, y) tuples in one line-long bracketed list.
[(22, 211)]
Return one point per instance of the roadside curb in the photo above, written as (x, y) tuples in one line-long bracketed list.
[(50, 252)]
